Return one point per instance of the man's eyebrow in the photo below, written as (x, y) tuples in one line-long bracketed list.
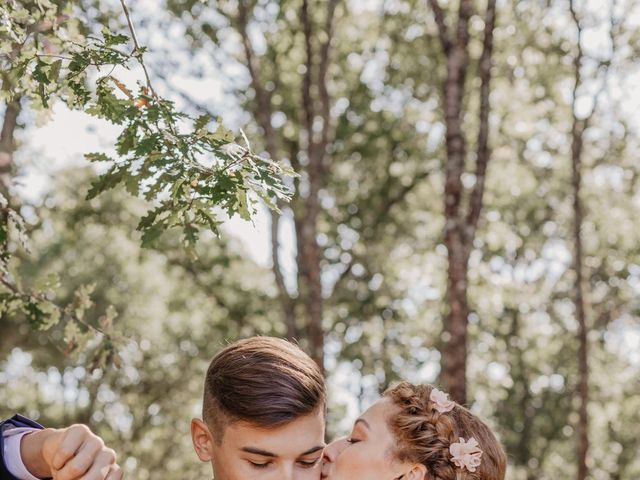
[(257, 451), (313, 450), (264, 453), (364, 422)]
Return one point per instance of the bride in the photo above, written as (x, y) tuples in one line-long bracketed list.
[(416, 433)]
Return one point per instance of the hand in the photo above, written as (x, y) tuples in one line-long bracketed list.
[(72, 453)]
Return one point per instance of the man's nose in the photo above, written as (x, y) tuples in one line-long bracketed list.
[(288, 472)]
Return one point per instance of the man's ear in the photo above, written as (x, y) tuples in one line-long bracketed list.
[(202, 440), (418, 472)]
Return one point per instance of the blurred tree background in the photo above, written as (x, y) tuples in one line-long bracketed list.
[(466, 213)]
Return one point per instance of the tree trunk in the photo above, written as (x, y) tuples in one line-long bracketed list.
[(310, 254), (311, 286), (583, 349), (577, 131), (460, 222), (7, 167), (286, 302), (262, 113), (7, 144), (454, 351), (315, 107)]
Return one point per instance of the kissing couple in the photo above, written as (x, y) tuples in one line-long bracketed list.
[(263, 418)]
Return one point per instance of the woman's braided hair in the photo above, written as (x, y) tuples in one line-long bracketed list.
[(424, 435)]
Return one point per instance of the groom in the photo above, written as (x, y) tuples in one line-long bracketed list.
[(263, 413)]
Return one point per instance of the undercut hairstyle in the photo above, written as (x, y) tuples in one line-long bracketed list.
[(424, 435), (264, 381)]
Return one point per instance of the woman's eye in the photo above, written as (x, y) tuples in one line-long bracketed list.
[(352, 440), (260, 465)]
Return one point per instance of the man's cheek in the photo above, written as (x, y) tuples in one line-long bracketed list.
[(228, 469), (315, 475), (312, 473)]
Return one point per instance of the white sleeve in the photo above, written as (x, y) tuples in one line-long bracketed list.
[(12, 458)]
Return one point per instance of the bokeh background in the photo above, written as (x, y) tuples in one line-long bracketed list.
[(370, 299)]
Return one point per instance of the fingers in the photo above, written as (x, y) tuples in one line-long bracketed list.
[(84, 457), (104, 467), (69, 442), (115, 473), (76, 453)]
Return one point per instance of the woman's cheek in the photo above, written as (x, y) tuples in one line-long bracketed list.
[(352, 460)]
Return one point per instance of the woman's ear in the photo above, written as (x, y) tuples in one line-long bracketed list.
[(418, 472), (202, 440)]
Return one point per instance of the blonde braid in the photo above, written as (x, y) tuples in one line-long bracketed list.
[(424, 435)]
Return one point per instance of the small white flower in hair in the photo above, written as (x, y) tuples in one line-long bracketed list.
[(466, 454), (441, 401)]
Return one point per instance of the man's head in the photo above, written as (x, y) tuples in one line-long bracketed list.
[(263, 411)]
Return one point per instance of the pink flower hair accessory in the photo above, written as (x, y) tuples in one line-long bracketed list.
[(441, 401), (466, 454)]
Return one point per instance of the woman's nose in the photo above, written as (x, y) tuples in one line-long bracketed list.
[(333, 450)]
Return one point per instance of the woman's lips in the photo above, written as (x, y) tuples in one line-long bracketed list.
[(325, 470)]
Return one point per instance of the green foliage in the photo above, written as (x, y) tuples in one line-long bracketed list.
[(189, 174), (38, 305)]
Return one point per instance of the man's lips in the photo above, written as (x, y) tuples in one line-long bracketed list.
[(325, 470)]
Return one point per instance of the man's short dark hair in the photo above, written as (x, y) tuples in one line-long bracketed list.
[(264, 381)]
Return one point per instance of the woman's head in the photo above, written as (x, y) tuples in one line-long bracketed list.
[(409, 435), (425, 431)]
